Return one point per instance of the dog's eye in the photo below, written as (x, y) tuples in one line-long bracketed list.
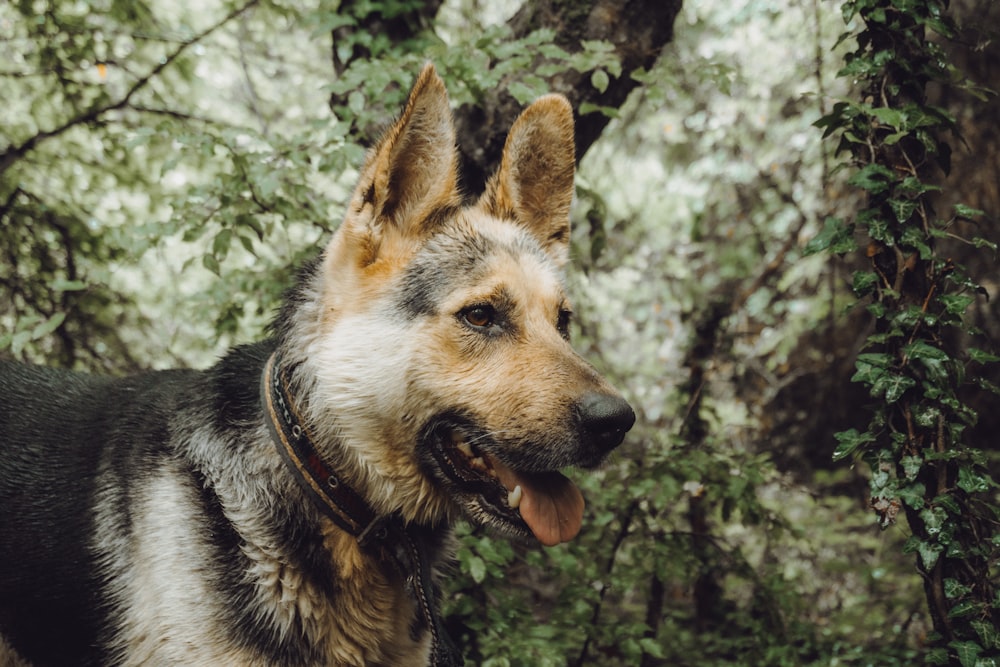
[(479, 317), (562, 323)]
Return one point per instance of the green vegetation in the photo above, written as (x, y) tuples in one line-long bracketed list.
[(165, 166), (922, 352)]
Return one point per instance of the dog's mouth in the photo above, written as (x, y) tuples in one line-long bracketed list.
[(546, 505)]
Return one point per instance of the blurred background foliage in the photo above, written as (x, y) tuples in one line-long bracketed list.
[(164, 166)]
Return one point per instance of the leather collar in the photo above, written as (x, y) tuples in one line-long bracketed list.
[(404, 547)]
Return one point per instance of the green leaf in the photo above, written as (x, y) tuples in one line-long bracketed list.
[(863, 282), (881, 360), (970, 481), (210, 263), (913, 495), (892, 386), (953, 588), (247, 244), (874, 178), (879, 229), (895, 137), (911, 466), (193, 233), (979, 242), (929, 553), (849, 441), (964, 211), (933, 359), (934, 518), (968, 652), (986, 385), (268, 185), (926, 416), (220, 244), (47, 326), (956, 304), (988, 634), (589, 107), (600, 80), (553, 51), (894, 118), (650, 646), (948, 502), (476, 567), (922, 350), (836, 237), (964, 608), (877, 309), (911, 185), (598, 46), (937, 656), (981, 357), (63, 285), (913, 235)]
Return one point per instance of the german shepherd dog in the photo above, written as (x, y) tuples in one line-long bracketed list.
[(292, 504)]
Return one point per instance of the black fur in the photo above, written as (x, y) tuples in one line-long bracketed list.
[(64, 436), (52, 604)]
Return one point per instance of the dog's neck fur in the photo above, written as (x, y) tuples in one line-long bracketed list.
[(351, 366), (406, 550), (337, 409), (320, 481)]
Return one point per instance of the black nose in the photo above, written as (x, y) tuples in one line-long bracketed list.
[(604, 420)]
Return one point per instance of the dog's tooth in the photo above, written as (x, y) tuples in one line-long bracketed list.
[(464, 447), (478, 463), (514, 497)]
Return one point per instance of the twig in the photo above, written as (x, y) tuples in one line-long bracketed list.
[(12, 155), (596, 616)]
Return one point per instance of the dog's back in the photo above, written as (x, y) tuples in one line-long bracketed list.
[(61, 433)]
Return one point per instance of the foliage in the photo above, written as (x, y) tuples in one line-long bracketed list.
[(165, 169), (917, 361), (699, 550)]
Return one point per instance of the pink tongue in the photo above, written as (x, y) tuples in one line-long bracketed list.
[(551, 505)]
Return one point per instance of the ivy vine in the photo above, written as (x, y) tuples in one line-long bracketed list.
[(924, 463)]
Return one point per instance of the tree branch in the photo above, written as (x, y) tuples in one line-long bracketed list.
[(637, 29), (13, 154)]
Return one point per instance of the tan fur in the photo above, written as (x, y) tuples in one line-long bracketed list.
[(536, 186), (9, 657), (531, 192), (409, 173), (376, 379), (411, 369), (380, 609)]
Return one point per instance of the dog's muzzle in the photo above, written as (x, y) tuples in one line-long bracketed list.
[(516, 486)]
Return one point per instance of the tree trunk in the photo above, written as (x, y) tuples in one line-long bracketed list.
[(637, 29)]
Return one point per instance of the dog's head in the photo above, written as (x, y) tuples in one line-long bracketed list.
[(439, 351)]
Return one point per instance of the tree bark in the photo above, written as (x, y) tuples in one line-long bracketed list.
[(637, 29)]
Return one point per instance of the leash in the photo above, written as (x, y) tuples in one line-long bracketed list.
[(404, 547)]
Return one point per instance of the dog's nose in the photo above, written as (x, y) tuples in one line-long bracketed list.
[(604, 420)]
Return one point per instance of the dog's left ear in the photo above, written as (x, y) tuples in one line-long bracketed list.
[(534, 185)]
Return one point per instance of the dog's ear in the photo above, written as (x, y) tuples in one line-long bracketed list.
[(412, 171), (534, 184)]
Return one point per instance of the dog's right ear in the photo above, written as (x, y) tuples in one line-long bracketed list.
[(410, 173)]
